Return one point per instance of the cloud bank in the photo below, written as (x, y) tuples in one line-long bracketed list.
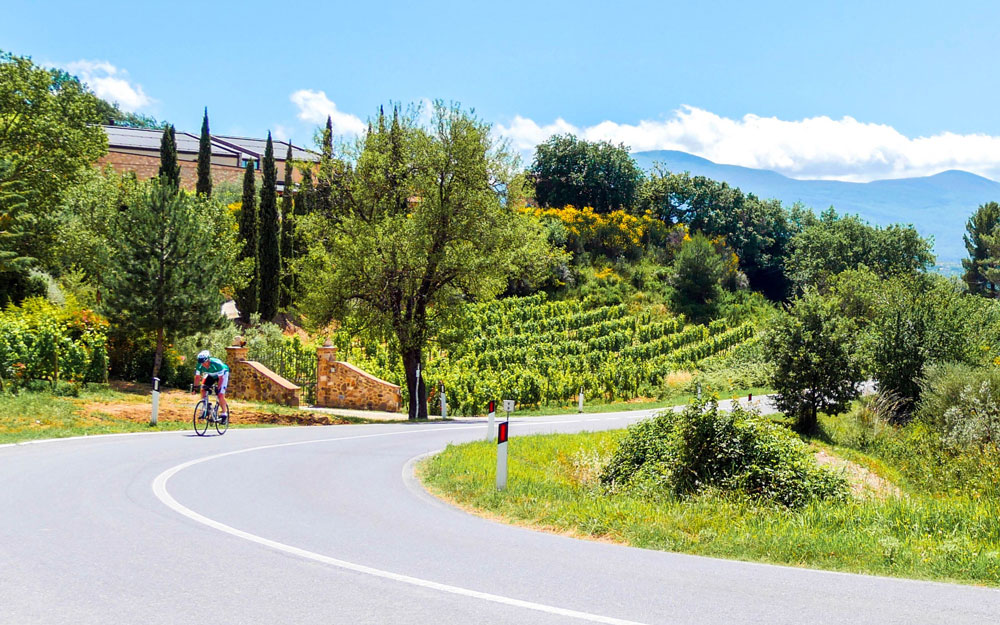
[(110, 83), (816, 147), (315, 107)]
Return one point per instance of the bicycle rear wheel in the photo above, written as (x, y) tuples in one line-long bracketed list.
[(221, 423), (201, 414)]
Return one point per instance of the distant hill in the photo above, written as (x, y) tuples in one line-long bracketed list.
[(937, 205)]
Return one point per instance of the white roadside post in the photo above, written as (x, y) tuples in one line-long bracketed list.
[(491, 413), (580, 401), (156, 402), (444, 403), (508, 406)]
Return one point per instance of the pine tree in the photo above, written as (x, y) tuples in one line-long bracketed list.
[(287, 235), (204, 185), (982, 224), (268, 250), (166, 274), (324, 180), (247, 300), (170, 170)]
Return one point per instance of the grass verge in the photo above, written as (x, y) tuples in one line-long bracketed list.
[(553, 485), (623, 406)]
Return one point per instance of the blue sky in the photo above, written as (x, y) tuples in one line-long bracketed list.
[(847, 90)]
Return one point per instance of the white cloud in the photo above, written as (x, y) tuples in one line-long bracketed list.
[(110, 83), (816, 147), (281, 132), (315, 107)]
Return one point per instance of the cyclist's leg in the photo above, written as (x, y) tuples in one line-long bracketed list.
[(223, 386)]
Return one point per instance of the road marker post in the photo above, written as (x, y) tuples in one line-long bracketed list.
[(579, 407), (508, 406), (444, 403), (156, 402), (491, 413)]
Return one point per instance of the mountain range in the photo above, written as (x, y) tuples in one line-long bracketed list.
[(937, 206)]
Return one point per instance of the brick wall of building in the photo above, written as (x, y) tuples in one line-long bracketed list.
[(146, 167)]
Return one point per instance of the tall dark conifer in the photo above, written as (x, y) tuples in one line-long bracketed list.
[(247, 300), (268, 250), (287, 234), (204, 184), (170, 170), (324, 179)]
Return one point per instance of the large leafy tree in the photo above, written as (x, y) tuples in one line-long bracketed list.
[(248, 298), (981, 225), (696, 275), (812, 348), (568, 170), (268, 243), (49, 140), (423, 224), (169, 263), (204, 183)]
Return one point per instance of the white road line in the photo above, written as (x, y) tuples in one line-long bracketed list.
[(160, 490)]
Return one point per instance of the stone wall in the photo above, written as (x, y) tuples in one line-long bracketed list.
[(342, 385), (149, 167), (251, 380)]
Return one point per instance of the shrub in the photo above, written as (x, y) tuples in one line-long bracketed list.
[(703, 448), (962, 403)]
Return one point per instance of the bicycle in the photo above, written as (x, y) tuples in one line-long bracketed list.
[(207, 412)]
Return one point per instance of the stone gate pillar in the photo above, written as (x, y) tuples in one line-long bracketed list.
[(326, 364), (236, 354)]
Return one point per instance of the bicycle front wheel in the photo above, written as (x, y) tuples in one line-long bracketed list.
[(221, 423), (201, 413)]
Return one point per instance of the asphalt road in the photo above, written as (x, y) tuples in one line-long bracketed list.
[(327, 525)]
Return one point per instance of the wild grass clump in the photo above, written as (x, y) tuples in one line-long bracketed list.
[(703, 448)]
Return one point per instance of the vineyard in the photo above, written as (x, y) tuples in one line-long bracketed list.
[(543, 352)]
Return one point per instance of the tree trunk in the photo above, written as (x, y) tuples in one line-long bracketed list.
[(414, 386), (158, 359)]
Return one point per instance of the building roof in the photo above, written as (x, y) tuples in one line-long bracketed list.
[(149, 139)]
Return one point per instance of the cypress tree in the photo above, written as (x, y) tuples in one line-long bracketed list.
[(170, 170), (268, 251), (204, 185), (247, 298), (287, 234), (324, 180)]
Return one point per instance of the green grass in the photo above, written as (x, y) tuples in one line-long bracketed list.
[(622, 406), (553, 484)]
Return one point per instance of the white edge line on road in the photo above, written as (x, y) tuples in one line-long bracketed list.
[(160, 490)]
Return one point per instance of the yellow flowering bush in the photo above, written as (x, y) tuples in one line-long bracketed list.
[(614, 234)]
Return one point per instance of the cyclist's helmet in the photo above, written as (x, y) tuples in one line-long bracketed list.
[(203, 355)]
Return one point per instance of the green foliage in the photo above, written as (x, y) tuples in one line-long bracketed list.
[(571, 171), (697, 272), (963, 404), (268, 243), (170, 169), (982, 223), (838, 243), (812, 349), (48, 141), (288, 250), (703, 448), (248, 298), (42, 341), (173, 255), (204, 183)]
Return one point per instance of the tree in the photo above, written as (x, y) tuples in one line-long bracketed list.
[(567, 170), (168, 265), (697, 271), (204, 184), (15, 226), (49, 139), (812, 350), (170, 169), (838, 243), (268, 250), (248, 298), (324, 178), (981, 224), (424, 224), (287, 234)]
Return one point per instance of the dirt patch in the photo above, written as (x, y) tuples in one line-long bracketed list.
[(864, 483), (179, 406)]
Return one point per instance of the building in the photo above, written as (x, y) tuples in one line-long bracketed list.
[(138, 150)]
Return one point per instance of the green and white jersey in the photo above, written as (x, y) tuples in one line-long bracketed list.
[(212, 366)]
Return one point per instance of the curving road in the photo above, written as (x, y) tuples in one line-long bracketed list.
[(326, 525)]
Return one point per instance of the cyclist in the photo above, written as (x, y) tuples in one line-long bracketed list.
[(212, 371)]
